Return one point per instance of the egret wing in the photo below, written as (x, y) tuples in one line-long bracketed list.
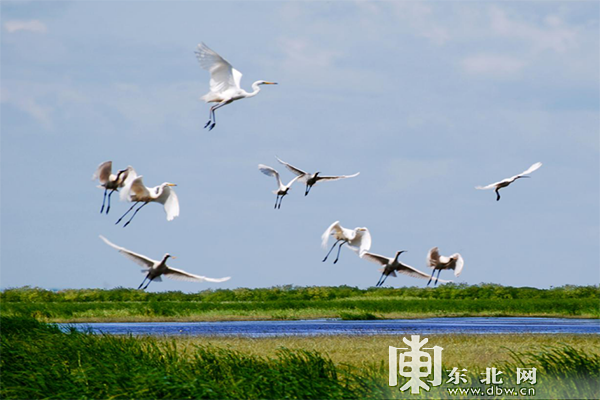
[(335, 227), (490, 186), (376, 258), (126, 190), (335, 178), (270, 172), (459, 264), (103, 172), (178, 274), (415, 273), (139, 259), (138, 190), (293, 169), (361, 242), (433, 257), (222, 75), (170, 202), (529, 170)]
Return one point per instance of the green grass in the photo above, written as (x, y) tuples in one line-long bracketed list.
[(300, 303), (40, 361)]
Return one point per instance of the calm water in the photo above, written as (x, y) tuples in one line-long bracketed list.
[(337, 327)]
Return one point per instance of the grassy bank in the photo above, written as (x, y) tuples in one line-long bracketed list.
[(40, 361), (300, 303)]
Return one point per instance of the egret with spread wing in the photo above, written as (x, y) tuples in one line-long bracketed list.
[(505, 182), (110, 181), (310, 179), (137, 192), (224, 82), (282, 189), (358, 239), (391, 265), (155, 269), (437, 262)]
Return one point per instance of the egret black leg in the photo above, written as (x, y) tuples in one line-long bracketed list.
[(147, 284), (130, 208), (380, 278), (276, 201), (437, 277), (136, 211), (431, 277), (280, 200), (497, 195), (103, 200), (381, 284), (210, 113), (143, 282), (338, 253), (332, 247), (306, 190), (108, 206)]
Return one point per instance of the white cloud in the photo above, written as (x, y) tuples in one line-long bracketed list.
[(403, 173), (552, 35), (422, 21), (301, 54), (29, 105), (492, 64), (33, 25)]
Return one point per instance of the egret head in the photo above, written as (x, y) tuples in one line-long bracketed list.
[(317, 173), (167, 255)]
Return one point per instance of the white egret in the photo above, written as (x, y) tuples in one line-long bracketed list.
[(437, 262), (358, 239), (137, 192), (392, 265), (110, 181), (310, 179), (505, 182), (282, 189), (224, 82), (155, 268)]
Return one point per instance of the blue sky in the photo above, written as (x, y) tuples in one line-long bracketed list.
[(426, 99)]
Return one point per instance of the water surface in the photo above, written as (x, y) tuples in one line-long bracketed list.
[(338, 327)]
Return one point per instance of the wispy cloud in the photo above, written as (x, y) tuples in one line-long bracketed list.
[(552, 34), (28, 105), (492, 64), (33, 25)]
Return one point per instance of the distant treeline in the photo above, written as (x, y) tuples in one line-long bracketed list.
[(296, 293)]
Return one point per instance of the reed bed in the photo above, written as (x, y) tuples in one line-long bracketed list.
[(92, 305)]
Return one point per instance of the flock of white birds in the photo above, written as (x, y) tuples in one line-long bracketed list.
[(225, 89)]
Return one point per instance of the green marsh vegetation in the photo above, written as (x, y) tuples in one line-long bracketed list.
[(40, 361), (290, 302)]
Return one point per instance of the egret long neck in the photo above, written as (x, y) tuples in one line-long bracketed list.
[(256, 89)]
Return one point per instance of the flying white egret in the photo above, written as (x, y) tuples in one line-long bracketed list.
[(358, 239), (505, 182), (282, 189), (155, 268), (110, 181), (310, 179), (137, 192), (224, 82), (392, 265), (437, 262)]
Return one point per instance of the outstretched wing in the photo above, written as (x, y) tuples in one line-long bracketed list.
[(529, 170), (335, 227), (103, 172), (335, 178), (361, 241), (270, 172), (376, 258), (139, 259), (137, 189), (178, 274), (131, 175), (293, 169), (222, 75), (490, 186), (415, 273)]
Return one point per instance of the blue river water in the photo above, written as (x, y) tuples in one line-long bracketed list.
[(337, 327)]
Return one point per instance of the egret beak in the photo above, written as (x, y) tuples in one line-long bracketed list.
[(270, 83), (171, 184), (172, 256)]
